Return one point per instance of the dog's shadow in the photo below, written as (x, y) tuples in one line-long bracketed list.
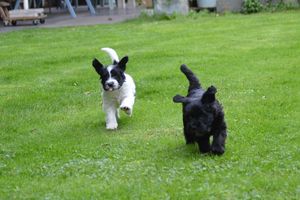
[(100, 126), (184, 151)]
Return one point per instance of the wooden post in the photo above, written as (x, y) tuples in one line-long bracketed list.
[(91, 8), (121, 4), (131, 4), (26, 4), (70, 8)]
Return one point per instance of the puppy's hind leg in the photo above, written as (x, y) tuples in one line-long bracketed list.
[(118, 114)]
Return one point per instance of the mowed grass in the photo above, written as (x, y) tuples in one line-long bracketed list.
[(53, 142)]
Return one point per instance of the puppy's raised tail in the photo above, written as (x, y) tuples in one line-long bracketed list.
[(193, 80), (112, 53)]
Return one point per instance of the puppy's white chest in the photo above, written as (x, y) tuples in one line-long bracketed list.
[(112, 96)]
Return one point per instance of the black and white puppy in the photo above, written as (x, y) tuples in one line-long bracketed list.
[(118, 88), (203, 116)]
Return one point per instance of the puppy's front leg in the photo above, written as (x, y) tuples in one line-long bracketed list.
[(111, 118), (127, 105), (203, 143), (219, 135), (218, 144), (189, 138)]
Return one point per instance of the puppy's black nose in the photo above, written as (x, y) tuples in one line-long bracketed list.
[(110, 84)]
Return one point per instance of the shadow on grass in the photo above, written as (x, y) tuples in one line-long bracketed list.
[(192, 151)]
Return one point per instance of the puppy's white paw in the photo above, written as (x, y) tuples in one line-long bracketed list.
[(127, 110), (111, 126)]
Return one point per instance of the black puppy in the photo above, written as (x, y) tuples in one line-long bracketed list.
[(203, 116)]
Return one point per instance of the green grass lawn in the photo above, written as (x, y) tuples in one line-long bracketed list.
[(53, 142)]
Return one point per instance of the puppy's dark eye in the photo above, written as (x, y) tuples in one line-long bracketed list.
[(113, 73), (104, 75)]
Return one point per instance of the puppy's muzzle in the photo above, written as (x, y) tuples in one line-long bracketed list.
[(110, 86)]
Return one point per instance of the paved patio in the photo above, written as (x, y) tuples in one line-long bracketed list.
[(62, 18)]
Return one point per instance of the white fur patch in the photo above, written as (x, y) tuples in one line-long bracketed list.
[(123, 98), (111, 80), (117, 97)]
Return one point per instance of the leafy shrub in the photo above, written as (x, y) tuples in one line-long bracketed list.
[(158, 16), (280, 5), (252, 6)]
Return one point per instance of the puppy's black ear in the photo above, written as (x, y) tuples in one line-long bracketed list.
[(209, 95), (98, 66), (180, 99), (122, 63)]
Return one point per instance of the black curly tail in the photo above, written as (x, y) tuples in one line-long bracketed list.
[(193, 80)]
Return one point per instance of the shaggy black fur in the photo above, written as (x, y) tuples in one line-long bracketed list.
[(203, 116)]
